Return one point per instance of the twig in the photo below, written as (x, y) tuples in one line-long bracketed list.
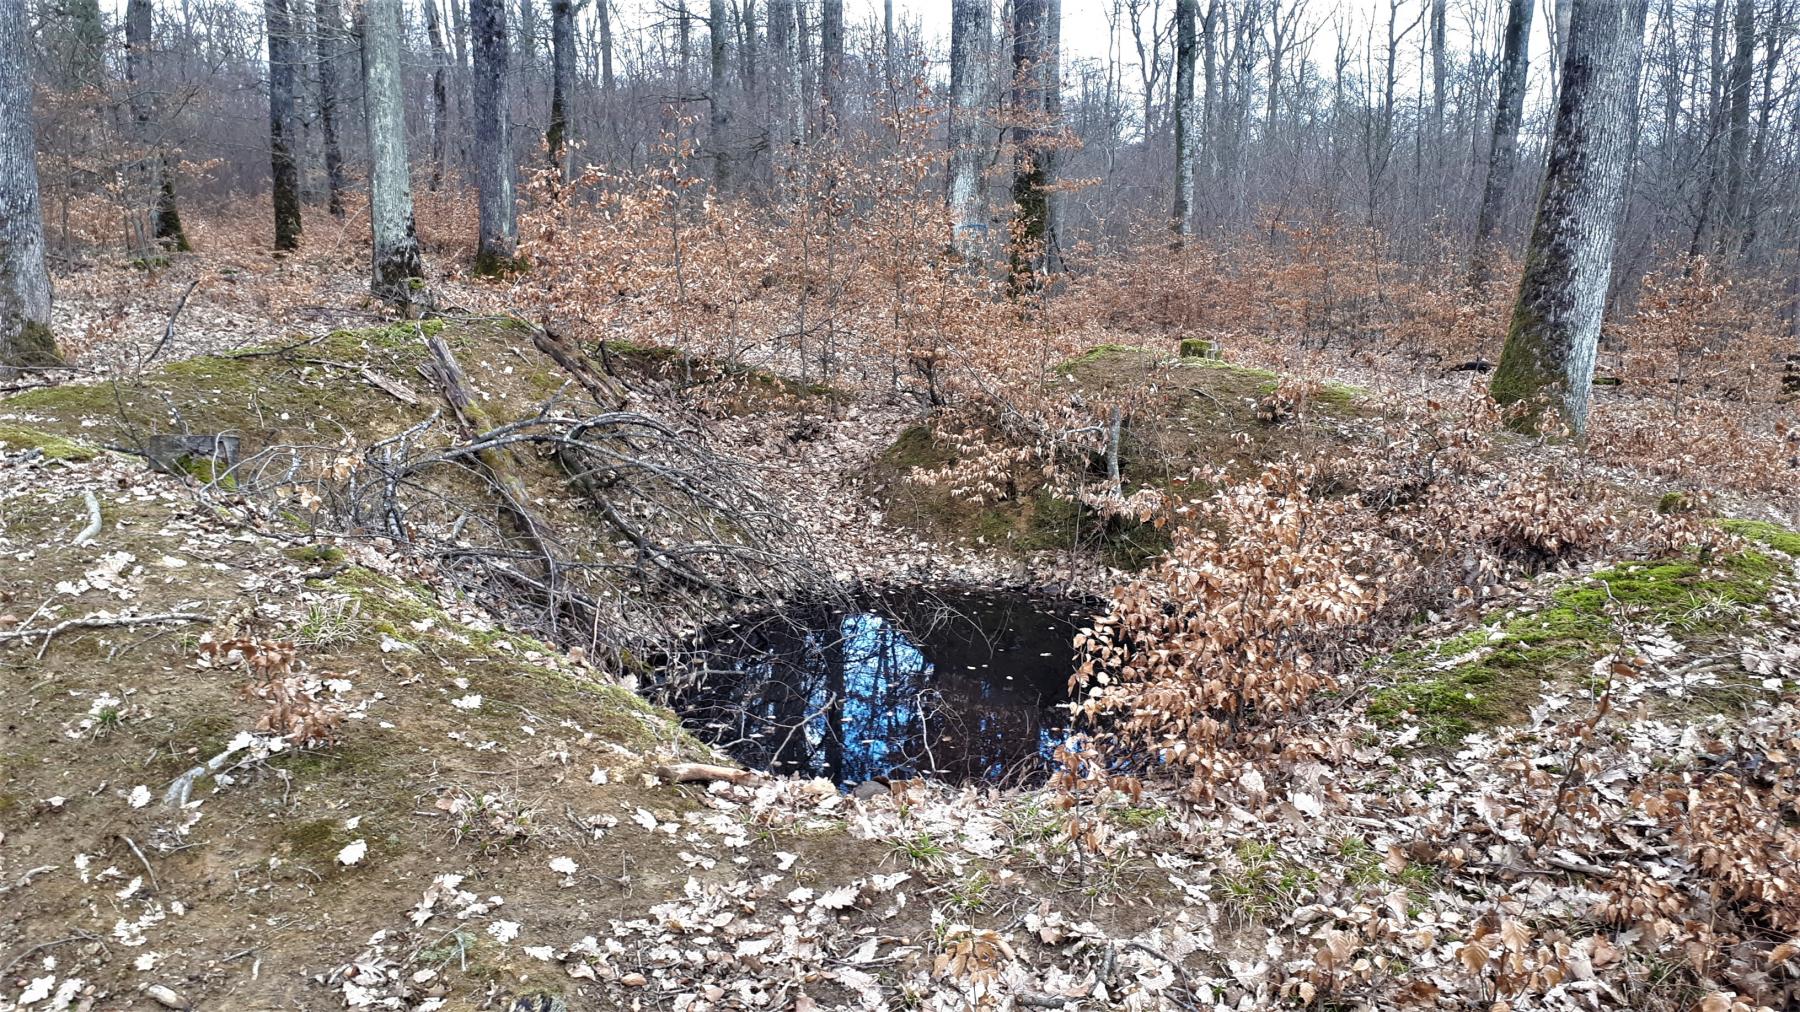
[(129, 842), (79, 936), (100, 622), (169, 328), (93, 527)]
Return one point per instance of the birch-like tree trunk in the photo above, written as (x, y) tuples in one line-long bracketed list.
[(497, 243), (395, 259), (440, 94), (562, 81), (1555, 331), (25, 338), (329, 39), (970, 38), (1503, 151), (1181, 217), (718, 106), (283, 169), (158, 173)]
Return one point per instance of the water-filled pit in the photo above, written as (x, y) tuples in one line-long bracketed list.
[(956, 685)]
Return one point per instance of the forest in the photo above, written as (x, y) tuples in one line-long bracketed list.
[(543, 505)]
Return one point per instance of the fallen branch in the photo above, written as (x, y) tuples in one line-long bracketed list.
[(100, 622), (169, 328), (689, 773), (93, 527)]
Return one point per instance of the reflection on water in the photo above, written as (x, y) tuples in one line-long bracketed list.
[(958, 686)]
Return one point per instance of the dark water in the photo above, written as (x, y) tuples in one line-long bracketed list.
[(954, 685)]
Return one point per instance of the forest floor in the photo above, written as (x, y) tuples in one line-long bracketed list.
[(490, 823)]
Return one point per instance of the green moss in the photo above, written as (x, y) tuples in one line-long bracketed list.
[(315, 553), (19, 437), (1100, 353), (1198, 347), (33, 347), (1262, 376), (1679, 592), (1773, 535), (1674, 502)]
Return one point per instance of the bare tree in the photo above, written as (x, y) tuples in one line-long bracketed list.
[(970, 37), (1181, 218), (284, 170), (440, 96), (831, 45), (1555, 330), (1737, 148), (498, 238), (328, 37), (787, 114), (1036, 101), (25, 338), (156, 171), (562, 80), (1503, 151), (603, 18), (395, 259), (717, 102)]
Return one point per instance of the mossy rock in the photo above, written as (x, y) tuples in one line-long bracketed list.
[(20, 437)]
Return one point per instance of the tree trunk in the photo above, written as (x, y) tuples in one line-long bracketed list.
[(87, 31), (1503, 153), (284, 170), (1035, 103), (831, 43), (395, 258), (329, 38), (787, 115), (1181, 218), (1439, 22), (440, 97), (718, 111), (1738, 141), (970, 37), (158, 172), (25, 338), (604, 18), (1555, 331), (562, 81), (497, 241)]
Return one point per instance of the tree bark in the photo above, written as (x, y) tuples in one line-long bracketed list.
[(831, 44), (25, 337), (497, 243), (1555, 331), (1503, 152), (787, 113), (284, 170), (718, 109), (158, 173), (1181, 217), (604, 17), (396, 262), (1737, 149), (1035, 103), (970, 38), (440, 96), (329, 39), (562, 81)]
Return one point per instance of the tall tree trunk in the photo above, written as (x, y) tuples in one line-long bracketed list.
[(1503, 152), (329, 38), (787, 113), (562, 81), (158, 172), (1035, 104), (284, 170), (1439, 23), (25, 338), (970, 38), (831, 45), (1555, 331), (718, 111), (440, 97), (497, 241), (395, 260), (87, 31), (887, 45), (1738, 140), (604, 17), (1181, 217)]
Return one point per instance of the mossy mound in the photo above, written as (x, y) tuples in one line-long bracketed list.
[(1492, 674), (21, 437)]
